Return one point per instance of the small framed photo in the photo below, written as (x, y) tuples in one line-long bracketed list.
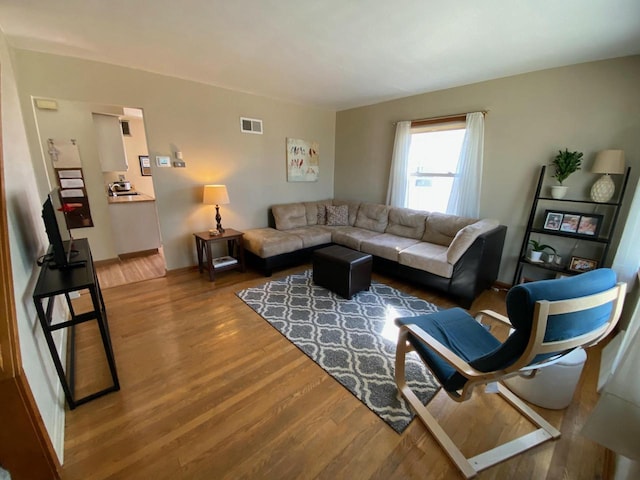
[(145, 165), (579, 264), (552, 220), (570, 222), (589, 225)]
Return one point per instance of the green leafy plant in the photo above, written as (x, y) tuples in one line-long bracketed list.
[(565, 164), (540, 247)]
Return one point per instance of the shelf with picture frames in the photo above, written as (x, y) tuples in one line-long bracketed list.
[(583, 237)]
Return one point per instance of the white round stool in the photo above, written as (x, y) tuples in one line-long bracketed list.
[(553, 386)]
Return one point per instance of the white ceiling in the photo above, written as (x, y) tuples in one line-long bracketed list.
[(335, 54)]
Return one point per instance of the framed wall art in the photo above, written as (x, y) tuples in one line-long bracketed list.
[(589, 225), (579, 264), (570, 223), (552, 220), (583, 224), (145, 165), (303, 160)]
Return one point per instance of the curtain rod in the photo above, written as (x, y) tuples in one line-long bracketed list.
[(445, 117)]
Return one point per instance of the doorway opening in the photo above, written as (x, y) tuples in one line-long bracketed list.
[(118, 179)]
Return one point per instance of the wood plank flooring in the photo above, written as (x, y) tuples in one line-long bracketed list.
[(212, 391), (130, 270)]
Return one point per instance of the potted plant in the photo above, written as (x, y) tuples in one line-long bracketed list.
[(537, 249), (565, 163)]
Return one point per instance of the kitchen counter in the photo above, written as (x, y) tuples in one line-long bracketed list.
[(140, 197)]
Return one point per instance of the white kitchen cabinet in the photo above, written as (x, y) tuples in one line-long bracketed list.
[(135, 226), (111, 152)]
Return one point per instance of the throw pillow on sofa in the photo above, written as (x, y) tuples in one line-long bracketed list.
[(322, 214), (337, 215)]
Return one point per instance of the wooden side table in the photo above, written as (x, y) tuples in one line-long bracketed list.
[(235, 249)]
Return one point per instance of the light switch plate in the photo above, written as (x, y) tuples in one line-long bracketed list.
[(163, 161)]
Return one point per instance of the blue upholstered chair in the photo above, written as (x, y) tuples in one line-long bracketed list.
[(549, 319)]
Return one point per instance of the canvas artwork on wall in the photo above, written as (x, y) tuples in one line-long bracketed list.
[(303, 160)]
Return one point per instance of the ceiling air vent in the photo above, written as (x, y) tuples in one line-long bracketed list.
[(250, 125)]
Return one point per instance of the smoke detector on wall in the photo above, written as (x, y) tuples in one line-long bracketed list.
[(250, 125)]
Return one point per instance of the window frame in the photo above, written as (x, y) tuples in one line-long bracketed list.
[(456, 122)]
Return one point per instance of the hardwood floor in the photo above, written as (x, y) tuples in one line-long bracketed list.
[(130, 270), (212, 391)]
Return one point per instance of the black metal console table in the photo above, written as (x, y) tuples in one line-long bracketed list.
[(53, 282)]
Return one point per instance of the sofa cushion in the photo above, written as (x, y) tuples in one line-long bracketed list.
[(267, 242), (386, 245), (351, 237), (353, 209), (290, 215), (406, 223), (465, 237), (372, 216), (442, 228), (311, 212), (337, 215), (427, 256), (312, 236)]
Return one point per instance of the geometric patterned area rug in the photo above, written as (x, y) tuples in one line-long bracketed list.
[(352, 340)]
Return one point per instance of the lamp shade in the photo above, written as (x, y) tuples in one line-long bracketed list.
[(609, 161), (215, 195)]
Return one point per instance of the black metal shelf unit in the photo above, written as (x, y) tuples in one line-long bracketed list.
[(535, 225)]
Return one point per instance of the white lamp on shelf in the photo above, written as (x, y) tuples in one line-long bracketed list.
[(607, 162), (216, 195)]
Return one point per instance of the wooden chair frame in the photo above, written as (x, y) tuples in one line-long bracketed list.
[(536, 345)]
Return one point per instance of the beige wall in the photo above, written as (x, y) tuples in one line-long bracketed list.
[(74, 120), (202, 122), (587, 107), (28, 241)]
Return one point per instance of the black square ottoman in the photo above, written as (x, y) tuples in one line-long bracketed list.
[(342, 270)]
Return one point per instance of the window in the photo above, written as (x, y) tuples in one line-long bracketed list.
[(126, 130), (433, 163)]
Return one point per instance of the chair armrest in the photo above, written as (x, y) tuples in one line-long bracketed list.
[(443, 352), (494, 315)]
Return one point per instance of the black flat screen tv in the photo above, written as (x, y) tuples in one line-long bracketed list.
[(61, 250)]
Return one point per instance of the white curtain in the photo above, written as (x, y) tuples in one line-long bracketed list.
[(627, 260), (398, 178), (465, 193)]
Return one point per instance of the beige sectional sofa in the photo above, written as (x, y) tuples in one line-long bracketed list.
[(456, 255)]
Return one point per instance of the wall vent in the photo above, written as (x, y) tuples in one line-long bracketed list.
[(250, 125)]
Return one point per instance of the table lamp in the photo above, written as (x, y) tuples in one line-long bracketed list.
[(607, 162), (216, 195)]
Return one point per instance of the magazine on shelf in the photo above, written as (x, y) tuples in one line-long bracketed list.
[(223, 261)]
